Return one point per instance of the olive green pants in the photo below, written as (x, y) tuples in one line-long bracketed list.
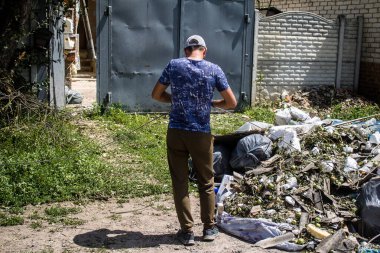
[(181, 144)]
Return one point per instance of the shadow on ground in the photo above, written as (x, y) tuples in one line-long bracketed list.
[(121, 239)]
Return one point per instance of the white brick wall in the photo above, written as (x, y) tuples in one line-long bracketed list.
[(298, 49), (330, 9)]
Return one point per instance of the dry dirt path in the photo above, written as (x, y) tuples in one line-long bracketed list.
[(140, 225)]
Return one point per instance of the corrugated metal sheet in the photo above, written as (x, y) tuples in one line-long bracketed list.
[(137, 38)]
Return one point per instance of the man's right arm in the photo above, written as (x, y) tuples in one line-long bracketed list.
[(159, 93), (228, 101)]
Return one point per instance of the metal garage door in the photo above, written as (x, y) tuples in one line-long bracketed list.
[(137, 38)]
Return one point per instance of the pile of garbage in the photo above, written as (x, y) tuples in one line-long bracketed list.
[(301, 184), (317, 100)]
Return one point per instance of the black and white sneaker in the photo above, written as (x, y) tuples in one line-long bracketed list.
[(210, 234), (186, 238)]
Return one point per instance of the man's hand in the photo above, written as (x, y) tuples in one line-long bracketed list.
[(159, 93), (228, 101)]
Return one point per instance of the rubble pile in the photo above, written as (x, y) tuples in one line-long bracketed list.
[(318, 100), (309, 186), (315, 97)]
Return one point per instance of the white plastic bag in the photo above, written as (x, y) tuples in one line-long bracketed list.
[(327, 166), (350, 165), (289, 141), (276, 132), (298, 115), (375, 138), (283, 117), (224, 189), (253, 126)]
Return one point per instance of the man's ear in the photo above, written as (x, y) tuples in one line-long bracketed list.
[(187, 52)]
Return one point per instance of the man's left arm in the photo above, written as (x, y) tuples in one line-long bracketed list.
[(228, 101), (159, 93)]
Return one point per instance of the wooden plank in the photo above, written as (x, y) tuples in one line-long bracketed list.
[(273, 241)]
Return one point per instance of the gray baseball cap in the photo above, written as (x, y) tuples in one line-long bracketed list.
[(195, 40)]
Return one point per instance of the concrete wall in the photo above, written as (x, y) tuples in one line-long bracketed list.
[(299, 49), (369, 83)]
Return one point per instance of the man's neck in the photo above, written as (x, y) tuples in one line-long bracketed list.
[(196, 55)]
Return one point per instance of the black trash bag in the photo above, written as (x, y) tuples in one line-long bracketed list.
[(368, 203), (250, 151), (220, 164), (222, 167)]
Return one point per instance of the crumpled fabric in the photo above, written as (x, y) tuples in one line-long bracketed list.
[(254, 230)]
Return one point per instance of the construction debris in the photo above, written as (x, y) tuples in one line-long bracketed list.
[(317, 99), (310, 184)]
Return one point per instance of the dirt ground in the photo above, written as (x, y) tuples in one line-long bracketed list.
[(85, 84), (141, 225)]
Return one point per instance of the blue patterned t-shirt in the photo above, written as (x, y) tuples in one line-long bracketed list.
[(192, 87)]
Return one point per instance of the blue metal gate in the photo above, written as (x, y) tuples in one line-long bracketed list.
[(137, 38)]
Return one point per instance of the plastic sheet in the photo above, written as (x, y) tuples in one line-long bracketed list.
[(254, 230)]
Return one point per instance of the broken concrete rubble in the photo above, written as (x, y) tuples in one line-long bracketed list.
[(310, 183)]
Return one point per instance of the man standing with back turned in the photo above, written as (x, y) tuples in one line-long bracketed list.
[(192, 81)]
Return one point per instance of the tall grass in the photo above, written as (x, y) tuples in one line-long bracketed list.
[(47, 161)]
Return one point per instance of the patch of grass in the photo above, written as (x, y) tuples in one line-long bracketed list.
[(72, 221), (343, 112), (35, 216), (16, 210), (10, 220), (261, 113), (226, 123), (122, 200), (48, 161), (143, 137), (163, 208), (36, 225), (115, 217), (58, 214), (57, 211), (49, 250)]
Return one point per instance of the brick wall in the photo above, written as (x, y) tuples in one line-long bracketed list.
[(369, 9), (298, 49)]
